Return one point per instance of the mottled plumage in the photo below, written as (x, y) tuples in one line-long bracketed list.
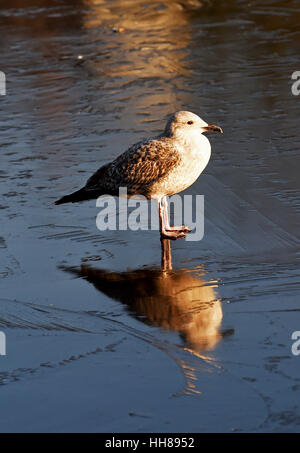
[(137, 169)]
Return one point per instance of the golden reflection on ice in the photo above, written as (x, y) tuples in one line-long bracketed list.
[(152, 38), (137, 14)]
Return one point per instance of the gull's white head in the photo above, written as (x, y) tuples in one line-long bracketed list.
[(184, 124)]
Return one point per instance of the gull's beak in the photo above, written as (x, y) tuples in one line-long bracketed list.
[(212, 128)]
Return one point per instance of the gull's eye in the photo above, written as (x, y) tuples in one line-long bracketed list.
[(190, 122)]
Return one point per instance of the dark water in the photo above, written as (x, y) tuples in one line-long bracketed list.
[(99, 337)]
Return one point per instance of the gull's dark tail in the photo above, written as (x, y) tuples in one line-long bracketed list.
[(79, 195)]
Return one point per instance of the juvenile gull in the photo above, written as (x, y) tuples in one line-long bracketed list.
[(156, 168)]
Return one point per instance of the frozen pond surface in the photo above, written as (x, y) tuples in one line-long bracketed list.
[(99, 337)]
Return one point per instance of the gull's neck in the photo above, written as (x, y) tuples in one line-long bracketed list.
[(195, 147)]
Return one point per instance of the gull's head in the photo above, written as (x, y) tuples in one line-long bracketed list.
[(184, 125)]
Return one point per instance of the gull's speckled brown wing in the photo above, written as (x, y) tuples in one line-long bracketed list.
[(137, 169)]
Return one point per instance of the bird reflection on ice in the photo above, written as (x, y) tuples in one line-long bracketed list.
[(177, 300)]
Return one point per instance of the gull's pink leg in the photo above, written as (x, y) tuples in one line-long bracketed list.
[(182, 228), (164, 232)]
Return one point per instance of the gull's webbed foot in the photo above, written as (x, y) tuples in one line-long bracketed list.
[(174, 234), (182, 229)]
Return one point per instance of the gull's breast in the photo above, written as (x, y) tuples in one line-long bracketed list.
[(194, 159)]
